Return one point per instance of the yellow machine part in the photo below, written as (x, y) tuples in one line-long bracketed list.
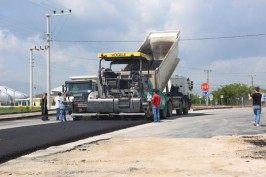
[(124, 55)]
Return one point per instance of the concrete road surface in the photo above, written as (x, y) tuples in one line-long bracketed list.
[(204, 124)]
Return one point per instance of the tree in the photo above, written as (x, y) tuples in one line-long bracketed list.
[(197, 99), (233, 94)]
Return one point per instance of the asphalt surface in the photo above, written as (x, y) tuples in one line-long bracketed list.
[(22, 137), (20, 141)]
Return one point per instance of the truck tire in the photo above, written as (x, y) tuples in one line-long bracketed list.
[(185, 110), (76, 118), (69, 112), (163, 113), (178, 111), (148, 117), (169, 109)]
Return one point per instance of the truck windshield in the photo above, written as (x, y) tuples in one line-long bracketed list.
[(74, 87)]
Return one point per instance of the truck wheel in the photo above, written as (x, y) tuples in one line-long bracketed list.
[(163, 113), (178, 111), (169, 109), (185, 111), (76, 118), (148, 117), (69, 112)]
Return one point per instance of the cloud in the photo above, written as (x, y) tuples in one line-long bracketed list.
[(88, 9), (15, 56), (132, 20), (255, 64), (239, 70), (8, 42)]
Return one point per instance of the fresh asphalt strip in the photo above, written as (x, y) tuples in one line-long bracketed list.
[(16, 142)]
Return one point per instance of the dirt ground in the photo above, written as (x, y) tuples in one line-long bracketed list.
[(149, 157)]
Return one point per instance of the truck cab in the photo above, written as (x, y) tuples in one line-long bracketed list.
[(78, 90)]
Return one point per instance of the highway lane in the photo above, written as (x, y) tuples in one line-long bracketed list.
[(23, 137)]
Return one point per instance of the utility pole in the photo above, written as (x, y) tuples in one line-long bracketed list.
[(6, 96), (0, 98), (251, 76), (48, 46), (208, 80), (31, 73)]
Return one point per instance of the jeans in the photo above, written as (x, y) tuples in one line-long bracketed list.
[(44, 112), (256, 116), (156, 113), (57, 113), (62, 114)]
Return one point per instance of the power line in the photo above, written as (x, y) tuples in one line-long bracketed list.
[(222, 37), (222, 73), (184, 39), (51, 7), (16, 24), (94, 41), (43, 5), (82, 58), (61, 27)]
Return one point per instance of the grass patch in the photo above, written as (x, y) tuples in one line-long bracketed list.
[(19, 109)]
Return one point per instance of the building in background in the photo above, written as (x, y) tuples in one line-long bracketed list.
[(8, 95)]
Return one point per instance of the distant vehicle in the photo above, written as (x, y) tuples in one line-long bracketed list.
[(78, 90)]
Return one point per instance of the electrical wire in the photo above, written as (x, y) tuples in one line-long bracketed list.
[(222, 37), (51, 6), (137, 41), (16, 24), (93, 41), (56, 33), (221, 73), (42, 5)]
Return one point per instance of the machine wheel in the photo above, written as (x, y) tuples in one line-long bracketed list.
[(163, 113), (169, 109)]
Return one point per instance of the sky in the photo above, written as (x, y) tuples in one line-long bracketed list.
[(226, 38)]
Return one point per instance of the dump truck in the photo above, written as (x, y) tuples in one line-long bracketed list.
[(78, 90), (128, 91)]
